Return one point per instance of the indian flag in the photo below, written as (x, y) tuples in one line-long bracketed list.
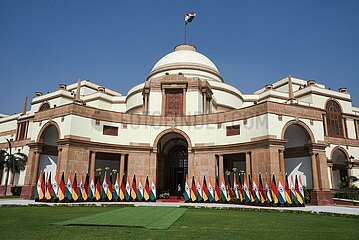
[(128, 189), (153, 191), (235, 188), (49, 192), (300, 186), (210, 191), (104, 189), (223, 190), (297, 191), (186, 193), (246, 193), (188, 17), (140, 190), (81, 187), (55, 186), (69, 188), (199, 190), (39, 195), (268, 192), (281, 191), (146, 191), (116, 192), (92, 192), (255, 189)]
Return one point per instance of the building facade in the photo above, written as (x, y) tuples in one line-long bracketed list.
[(185, 120)]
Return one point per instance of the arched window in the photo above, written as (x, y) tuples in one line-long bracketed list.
[(334, 119), (44, 106)]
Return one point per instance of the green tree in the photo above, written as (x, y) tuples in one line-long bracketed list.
[(12, 162)]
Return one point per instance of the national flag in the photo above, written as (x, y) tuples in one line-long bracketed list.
[(246, 193), (261, 189), (224, 194), (240, 188), (146, 191), (110, 188), (287, 191), (204, 190), (268, 191), (104, 186), (250, 188), (122, 189), (281, 192), (292, 190), (297, 191), (39, 195), (193, 190), (257, 197), (153, 191), (128, 189), (116, 189), (235, 188), (186, 192), (81, 187), (199, 190), (55, 186), (43, 184), (188, 17), (62, 189), (140, 190), (210, 191), (274, 190), (98, 188), (229, 190), (301, 189), (85, 190), (92, 191), (134, 188), (75, 190), (69, 188), (217, 191), (49, 191)]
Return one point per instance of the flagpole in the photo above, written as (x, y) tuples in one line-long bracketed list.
[(185, 33)]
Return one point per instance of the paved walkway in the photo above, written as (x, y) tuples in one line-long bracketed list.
[(309, 208)]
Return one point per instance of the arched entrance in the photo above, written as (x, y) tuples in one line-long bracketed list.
[(296, 153), (49, 154), (172, 162), (340, 167)]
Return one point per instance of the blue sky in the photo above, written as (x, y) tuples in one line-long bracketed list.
[(116, 43)]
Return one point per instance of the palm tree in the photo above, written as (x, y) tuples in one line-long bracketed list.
[(14, 163)]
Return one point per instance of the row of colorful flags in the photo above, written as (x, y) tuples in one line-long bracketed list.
[(48, 189), (248, 190)]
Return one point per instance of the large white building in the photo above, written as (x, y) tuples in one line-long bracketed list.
[(184, 119)]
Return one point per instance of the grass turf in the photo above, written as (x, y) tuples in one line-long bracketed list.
[(147, 217), (37, 222)]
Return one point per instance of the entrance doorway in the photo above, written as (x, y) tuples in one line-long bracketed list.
[(172, 159)]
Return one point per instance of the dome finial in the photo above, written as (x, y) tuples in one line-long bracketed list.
[(187, 47)]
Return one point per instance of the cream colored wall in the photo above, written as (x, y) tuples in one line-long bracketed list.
[(194, 103), (189, 73), (134, 101), (155, 103)]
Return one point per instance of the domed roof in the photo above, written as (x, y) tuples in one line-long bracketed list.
[(185, 58)]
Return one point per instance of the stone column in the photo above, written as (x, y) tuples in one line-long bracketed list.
[(92, 164), (314, 171), (59, 151), (184, 102), (325, 125), (163, 106), (330, 165), (145, 104), (248, 163), (36, 167), (122, 164), (281, 163), (221, 167), (204, 103)]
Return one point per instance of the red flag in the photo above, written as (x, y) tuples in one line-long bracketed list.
[(205, 190), (193, 190), (134, 188), (261, 189), (274, 190)]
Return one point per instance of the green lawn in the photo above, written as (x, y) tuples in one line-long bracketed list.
[(39, 222)]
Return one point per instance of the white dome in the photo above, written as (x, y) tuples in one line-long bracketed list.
[(187, 60)]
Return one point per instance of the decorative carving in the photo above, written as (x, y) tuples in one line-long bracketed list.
[(174, 102)]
